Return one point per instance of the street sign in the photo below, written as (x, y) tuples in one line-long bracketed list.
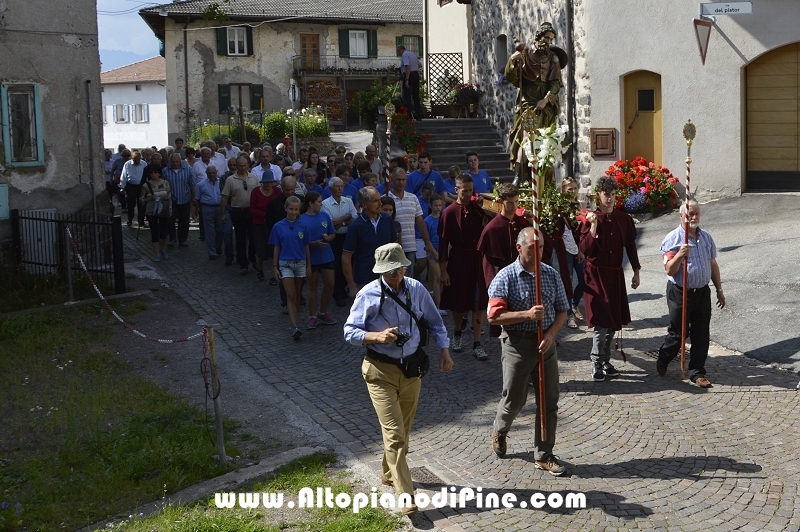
[(702, 28), (293, 92), (730, 8)]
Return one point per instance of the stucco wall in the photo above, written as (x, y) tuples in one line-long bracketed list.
[(60, 58), (659, 36), (275, 45), (132, 134), (450, 31)]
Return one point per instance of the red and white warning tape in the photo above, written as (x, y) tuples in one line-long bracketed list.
[(114, 313)]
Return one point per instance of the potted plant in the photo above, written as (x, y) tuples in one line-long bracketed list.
[(463, 95)]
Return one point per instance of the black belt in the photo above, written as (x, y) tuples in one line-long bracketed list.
[(380, 357), (679, 287)]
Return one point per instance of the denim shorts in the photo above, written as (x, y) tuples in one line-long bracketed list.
[(292, 268)]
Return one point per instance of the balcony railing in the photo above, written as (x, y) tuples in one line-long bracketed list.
[(334, 65)]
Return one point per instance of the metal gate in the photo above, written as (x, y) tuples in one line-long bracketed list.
[(445, 71)]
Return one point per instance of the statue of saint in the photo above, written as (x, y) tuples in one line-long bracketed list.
[(537, 73)]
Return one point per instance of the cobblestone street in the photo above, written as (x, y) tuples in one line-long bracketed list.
[(650, 453)]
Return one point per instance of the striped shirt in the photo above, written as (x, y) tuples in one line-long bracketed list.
[(514, 289), (406, 210), (180, 183), (701, 251)]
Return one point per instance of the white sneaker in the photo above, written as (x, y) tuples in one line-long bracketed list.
[(480, 354), (457, 344)]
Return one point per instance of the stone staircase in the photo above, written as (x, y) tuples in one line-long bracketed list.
[(451, 139)]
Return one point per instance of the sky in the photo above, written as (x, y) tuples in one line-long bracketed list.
[(124, 38)]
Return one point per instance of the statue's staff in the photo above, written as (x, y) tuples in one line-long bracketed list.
[(689, 134), (529, 127)]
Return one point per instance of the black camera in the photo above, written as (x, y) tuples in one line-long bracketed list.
[(402, 338)]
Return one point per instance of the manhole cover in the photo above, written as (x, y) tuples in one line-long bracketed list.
[(424, 476)]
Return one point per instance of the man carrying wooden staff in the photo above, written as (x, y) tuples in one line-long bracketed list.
[(512, 304), (700, 254)]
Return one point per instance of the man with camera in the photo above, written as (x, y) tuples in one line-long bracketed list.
[(391, 316)]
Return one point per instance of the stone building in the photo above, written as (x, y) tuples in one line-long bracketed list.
[(49, 84), (243, 66), (636, 77)]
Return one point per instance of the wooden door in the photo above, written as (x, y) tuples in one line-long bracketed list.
[(643, 116), (309, 51), (773, 149)]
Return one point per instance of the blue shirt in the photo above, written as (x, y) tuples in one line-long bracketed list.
[(349, 192), (481, 181), (132, 173), (517, 287), (416, 178), (357, 183), (180, 182), (701, 251), (319, 224), (432, 223), (363, 238), (424, 205), (207, 193), (292, 237), (450, 187), (317, 188), (368, 315)]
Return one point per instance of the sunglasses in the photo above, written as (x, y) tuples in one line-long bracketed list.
[(244, 185)]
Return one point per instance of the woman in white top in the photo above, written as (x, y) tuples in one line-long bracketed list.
[(156, 197)]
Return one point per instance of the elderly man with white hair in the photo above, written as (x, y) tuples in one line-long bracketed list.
[(342, 212)]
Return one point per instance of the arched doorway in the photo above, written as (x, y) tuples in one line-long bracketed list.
[(642, 115), (773, 148)]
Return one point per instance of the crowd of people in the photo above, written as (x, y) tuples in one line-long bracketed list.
[(405, 250)]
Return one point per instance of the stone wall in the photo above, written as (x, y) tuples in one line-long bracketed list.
[(493, 18)]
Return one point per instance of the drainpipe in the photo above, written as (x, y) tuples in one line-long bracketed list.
[(91, 148), (571, 119), (186, 75)]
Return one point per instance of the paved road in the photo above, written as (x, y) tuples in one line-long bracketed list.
[(649, 452)]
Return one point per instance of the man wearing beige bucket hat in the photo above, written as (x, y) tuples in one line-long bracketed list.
[(389, 317)]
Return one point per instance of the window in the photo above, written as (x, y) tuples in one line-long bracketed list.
[(412, 43), (237, 41), (121, 113), (104, 115), (251, 97), (138, 87), (501, 51), (646, 100), (358, 43), (141, 113), (21, 120)]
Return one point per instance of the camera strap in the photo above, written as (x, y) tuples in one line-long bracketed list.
[(405, 306)]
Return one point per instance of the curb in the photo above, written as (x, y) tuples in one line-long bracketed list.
[(74, 304), (228, 481)]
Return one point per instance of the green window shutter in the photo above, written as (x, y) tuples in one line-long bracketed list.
[(421, 47), (256, 97), (398, 41), (249, 32), (224, 93), (222, 41), (344, 43), (372, 43)]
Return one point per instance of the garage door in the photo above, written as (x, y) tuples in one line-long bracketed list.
[(773, 150)]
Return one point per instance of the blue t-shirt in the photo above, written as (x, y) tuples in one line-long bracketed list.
[(319, 224), (317, 188), (349, 192), (357, 183), (450, 186), (363, 239), (292, 237), (416, 178), (481, 181), (433, 230), (424, 204)]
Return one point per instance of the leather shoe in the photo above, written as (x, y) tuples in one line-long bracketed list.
[(661, 367), (499, 443), (386, 482), (702, 382)]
